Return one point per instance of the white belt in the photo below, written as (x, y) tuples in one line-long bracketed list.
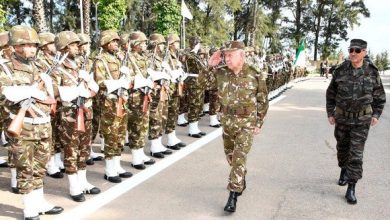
[(192, 75), (34, 121)]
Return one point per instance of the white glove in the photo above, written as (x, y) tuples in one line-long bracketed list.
[(68, 93), (84, 75), (166, 66), (125, 70)]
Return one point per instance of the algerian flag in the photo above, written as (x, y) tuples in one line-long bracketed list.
[(300, 57), (185, 12)]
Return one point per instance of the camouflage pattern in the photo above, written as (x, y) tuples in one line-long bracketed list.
[(76, 144), (195, 86), (46, 38), (174, 101), (112, 127), (353, 97), (4, 39), (20, 34), (138, 123), (244, 104), (31, 150), (137, 37), (64, 38), (108, 36), (211, 93), (84, 38)]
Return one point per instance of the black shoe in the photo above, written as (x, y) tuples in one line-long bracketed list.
[(54, 211), (157, 155), (127, 144), (15, 190), (32, 218), (202, 133), (195, 135), (92, 191), (57, 175), (174, 147), (183, 125), (139, 166), (150, 162), (231, 203), (350, 194), (98, 158), (202, 114), (342, 179), (113, 179), (167, 152), (216, 126), (78, 198), (90, 162), (205, 112), (5, 164), (62, 170), (125, 175), (181, 144)]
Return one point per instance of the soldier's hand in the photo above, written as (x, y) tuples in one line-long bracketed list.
[(215, 59), (374, 121), (331, 120), (256, 131)]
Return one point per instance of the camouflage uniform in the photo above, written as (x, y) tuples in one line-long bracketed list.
[(31, 149), (353, 97), (174, 101), (244, 104)]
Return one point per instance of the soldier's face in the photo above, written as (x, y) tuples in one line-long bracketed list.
[(113, 46), (356, 55), (85, 49), (234, 59), (27, 51), (51, 48), (73, 50)]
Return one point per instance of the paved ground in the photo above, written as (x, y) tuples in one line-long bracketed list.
[(292, 174)]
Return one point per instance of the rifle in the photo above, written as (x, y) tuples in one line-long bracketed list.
[(15, 128), (119, 104), (80, 126), (144, 84)]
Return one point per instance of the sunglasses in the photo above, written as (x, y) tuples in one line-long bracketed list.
[(356, 50)]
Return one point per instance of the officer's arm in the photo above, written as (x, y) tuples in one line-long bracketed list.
[(331, 93), (379, 97), (262, 101)]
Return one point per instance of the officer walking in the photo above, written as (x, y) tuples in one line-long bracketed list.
[(355, 99), (243, 97)]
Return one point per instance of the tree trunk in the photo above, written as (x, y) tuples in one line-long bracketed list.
[(318, 29), (51, 8), (253, 37), (298, 22), (86, 16), (39, 15)]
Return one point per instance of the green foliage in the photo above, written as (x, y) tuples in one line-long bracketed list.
[(167, 16), (111, 13), (2, 18), (382, 61)]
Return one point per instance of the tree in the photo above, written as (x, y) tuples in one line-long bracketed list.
[(86, 16), (381, 61), (3, 18), (111, 14), (39, 15), (167, 16)]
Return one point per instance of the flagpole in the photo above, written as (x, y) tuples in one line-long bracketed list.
[(184, 33), (81, 17)]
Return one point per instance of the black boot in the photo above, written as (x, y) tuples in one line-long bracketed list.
[(342, 179), (350, 194), (231, 203)]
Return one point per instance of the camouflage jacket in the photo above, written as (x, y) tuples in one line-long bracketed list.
[(106, 67), (354, 90), (25, 73), (243, 97), (44, 62), (194, 65)]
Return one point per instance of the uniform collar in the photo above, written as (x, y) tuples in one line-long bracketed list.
[(21, 64)]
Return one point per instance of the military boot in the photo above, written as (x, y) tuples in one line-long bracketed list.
[(350, 194), (231, 203), (342, 179)]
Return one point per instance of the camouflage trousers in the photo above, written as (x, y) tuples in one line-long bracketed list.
[(155, 115), (183, 103), (76, 144), (173, 112), (350, 146), (195, 102), (138, 123), (56, 131), (112, 128), (96, 117), (30, 155), (237, 141), (213, 100)]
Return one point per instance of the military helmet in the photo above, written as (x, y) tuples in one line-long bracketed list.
[(46, 38), (203, 50), (137, 37), (21, 34), (107, 36), (156, 39), (213, 50), (194, 41), (172, 38), (4, 38), (64, 38), (84, 38), (124, 38)]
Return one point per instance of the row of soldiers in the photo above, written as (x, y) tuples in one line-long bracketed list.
[(129, 90)]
